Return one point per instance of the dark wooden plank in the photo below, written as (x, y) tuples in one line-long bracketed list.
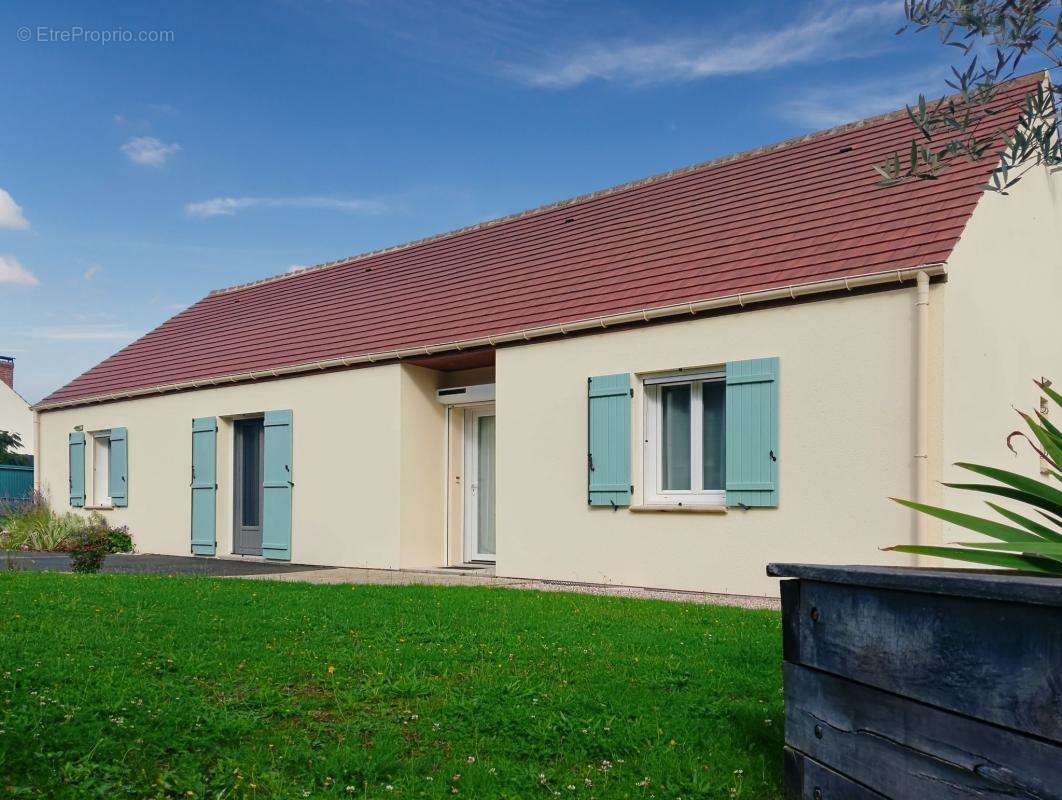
[(793, 767), (790, 595), (1000, 662), (904, 749), (984, 584), (807, 779)]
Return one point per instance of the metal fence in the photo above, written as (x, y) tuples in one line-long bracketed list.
[(16, 482)]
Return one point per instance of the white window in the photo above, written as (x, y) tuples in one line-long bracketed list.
[(685, 439), (101, 468)]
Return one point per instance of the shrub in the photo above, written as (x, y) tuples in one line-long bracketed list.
[(90, 546), (118, 539)]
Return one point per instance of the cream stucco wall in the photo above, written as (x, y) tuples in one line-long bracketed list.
[(423, 432), (346, 462), (847, 398), (1001, 329), (16, 417)]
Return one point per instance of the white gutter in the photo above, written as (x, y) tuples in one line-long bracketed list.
[(792, 292), (922, 333)]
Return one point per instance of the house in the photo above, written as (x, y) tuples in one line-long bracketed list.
[(664, 384), (15, 413)]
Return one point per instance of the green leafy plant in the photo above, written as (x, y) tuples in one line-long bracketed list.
[(996, 38), (1034, 541)]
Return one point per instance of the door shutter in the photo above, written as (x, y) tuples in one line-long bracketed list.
[(118, 477), (276, 517), (77, 469), (609, 440), (204, 486), (752, 432)]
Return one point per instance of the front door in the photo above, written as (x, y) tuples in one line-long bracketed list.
[(248, 483), (479, 485)]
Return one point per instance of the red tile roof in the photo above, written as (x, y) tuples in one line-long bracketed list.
[(798, 212)]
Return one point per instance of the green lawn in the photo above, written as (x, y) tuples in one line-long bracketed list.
[(123, 686)]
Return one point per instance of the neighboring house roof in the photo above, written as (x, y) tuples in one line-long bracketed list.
[(802, 211)]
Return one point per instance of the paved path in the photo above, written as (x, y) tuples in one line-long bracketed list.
[(269, 570), (440, 578), (147, 564)]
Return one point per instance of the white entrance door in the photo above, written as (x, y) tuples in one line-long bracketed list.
[(479, 484)]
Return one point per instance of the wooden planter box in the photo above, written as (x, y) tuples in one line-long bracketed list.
[(921, 683)]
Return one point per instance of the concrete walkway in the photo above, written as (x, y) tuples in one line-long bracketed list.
[(386, 577)]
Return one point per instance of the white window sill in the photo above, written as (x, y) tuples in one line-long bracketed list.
[(99, 508), (693, 508)]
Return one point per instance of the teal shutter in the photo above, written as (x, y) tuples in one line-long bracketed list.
[(752, 432), (276, 520), (118, 476), (204, 485), (609, 440), (77, 469)]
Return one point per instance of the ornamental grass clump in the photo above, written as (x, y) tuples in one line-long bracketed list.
[(32, 525), (1033, 542)]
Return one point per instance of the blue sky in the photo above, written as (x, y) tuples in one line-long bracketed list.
[(136, 176)]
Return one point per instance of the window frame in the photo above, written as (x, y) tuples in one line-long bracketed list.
[(653, 422), (97, 501)]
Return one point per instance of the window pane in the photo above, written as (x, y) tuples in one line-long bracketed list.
[(485, 490), (675, 449), (713, 432), (250, 443), (101, 470)]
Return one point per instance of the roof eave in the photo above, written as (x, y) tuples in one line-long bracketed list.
[(791, 292)]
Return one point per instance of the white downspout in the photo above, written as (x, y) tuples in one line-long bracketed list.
[(922, 410), (37, 449)]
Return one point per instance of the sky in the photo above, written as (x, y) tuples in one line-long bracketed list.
[(151, 152)]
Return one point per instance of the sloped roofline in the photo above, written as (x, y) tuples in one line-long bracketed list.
[(571, 201)]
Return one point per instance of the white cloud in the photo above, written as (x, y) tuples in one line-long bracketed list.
[(11, 271), (92, 271), (825, 36), (827, 106), (149, 151), (11, 216), (228, 206), (91, 332)]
